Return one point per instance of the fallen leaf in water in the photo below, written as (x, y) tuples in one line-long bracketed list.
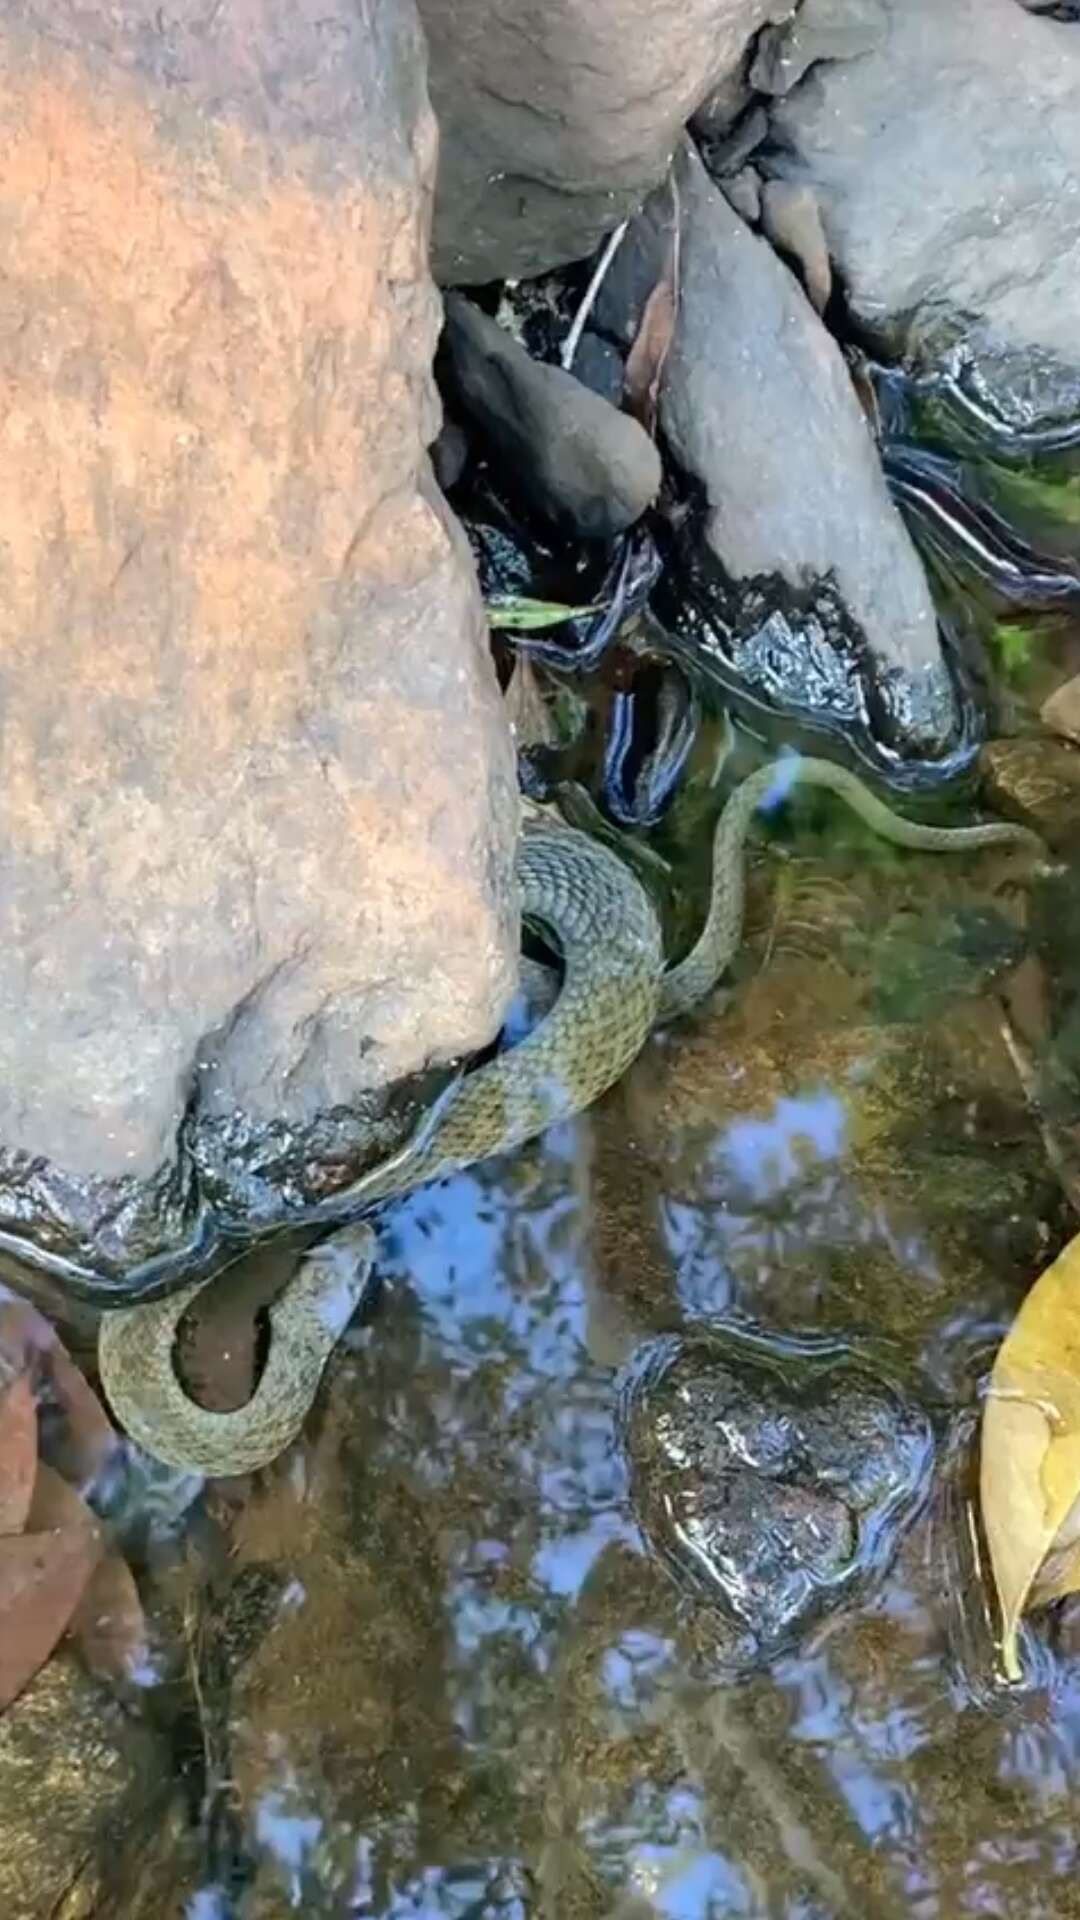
[(24, 1334), (1030, 1468), (18, 1454), (42, 1579), (75, 1434), (109, 1626), (55, 1506), (531, 616), (54, 1574)]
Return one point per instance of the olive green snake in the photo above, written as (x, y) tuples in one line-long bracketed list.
[(615, 989)]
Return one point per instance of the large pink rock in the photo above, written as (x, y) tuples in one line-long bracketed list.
[(258, 797)]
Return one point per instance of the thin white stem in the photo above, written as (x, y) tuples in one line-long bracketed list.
[(577, 325)]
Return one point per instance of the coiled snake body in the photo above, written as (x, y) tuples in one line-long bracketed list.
[(615, 989)]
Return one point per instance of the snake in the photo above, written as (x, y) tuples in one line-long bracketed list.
[(615, 989)]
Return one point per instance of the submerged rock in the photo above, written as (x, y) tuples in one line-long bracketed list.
[(81, 1785), (259, 809), (947, 159), (1061, 712), (574, 455), (793, 543), (772, 1482), (1037, 782), (556, 121)]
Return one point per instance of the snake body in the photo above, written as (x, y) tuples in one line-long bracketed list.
[(615, 989)]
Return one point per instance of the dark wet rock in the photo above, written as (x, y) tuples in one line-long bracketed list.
[(947, 159), (727, 102), (259, 806), (449, 453), (1037, 782), (772, 1483), (555, 123), (576, 457), (820, 30), (599, 366), (791, 219), (742, 191), (81, 1784), (729, 154), (831, 604)]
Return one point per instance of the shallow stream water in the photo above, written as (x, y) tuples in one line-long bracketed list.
[(450, 1659)]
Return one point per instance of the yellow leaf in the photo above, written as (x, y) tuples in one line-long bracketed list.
[(1030, 1471), (1059, 1574)]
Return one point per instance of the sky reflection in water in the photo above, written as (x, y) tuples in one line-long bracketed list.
[(853, 1763)]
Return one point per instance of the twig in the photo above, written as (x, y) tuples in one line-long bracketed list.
[(1060, 1160), (577, 325)]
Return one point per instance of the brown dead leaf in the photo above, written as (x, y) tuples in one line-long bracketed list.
[(1030, 1468), (56, 1506), (24, 1334), (76, 1436), (652, 343), (42, 1579), (645, 361), (18, 1454), (109, 1626)]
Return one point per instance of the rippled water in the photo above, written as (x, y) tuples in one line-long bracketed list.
[(441, 1672), (428, 1666)]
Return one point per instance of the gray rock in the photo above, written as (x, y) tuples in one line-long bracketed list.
[(259, 802), (821, 30), (556, 120), (791, 218), (599, 366), (743, 192), (579, 459), (645, 254), (757, 404), (947, 161)]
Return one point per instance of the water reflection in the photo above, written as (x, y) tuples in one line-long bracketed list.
[(449, 1679), (594, 1774)]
